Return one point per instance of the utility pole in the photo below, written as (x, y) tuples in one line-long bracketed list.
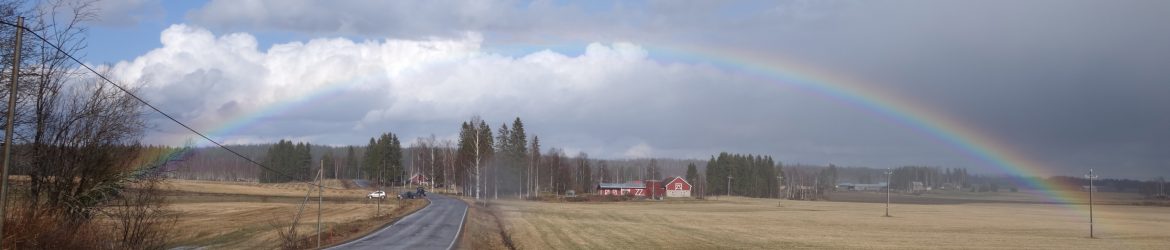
[(408, 177), (381, 179), (888, 173), (8, 128), (496, 181), (1091, 176), (778, 180), (1161, 187), (475, 130), (431, 177), (702, 187), (447, 158), (320, 200), (729, 185)]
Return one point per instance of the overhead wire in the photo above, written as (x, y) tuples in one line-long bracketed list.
[(156, 109)]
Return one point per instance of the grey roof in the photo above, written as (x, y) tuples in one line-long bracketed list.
[(622, 185)]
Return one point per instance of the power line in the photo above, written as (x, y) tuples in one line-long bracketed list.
[(156, 109)]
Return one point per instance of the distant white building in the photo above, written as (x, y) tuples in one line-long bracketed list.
[(917, 186), (861, 187), (1086, 188)]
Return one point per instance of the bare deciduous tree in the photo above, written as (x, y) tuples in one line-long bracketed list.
[(76, 140)]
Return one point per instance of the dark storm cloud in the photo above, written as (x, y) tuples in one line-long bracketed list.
[(1073, 84)]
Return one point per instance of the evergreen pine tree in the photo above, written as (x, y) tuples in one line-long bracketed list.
[(692, 174), (329, 163), (372, 164), (715, 176), (351, 162)]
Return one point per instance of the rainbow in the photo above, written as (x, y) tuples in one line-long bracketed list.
[(940, 126), (246, 119)]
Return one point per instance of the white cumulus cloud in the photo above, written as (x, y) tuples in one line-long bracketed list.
[(338, 91)]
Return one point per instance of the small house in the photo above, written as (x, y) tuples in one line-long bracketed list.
[(677, 187), (419, 179)]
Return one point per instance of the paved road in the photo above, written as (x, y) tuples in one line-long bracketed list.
[(433, 227)]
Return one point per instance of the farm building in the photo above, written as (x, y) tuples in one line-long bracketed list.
[(918, 187), (419, 179), (654, 189), (635, 188), (677, 187), (861, 187)]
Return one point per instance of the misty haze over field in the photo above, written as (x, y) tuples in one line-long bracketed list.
[(1071, 85)]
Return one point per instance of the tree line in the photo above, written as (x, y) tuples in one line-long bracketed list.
[(287, 162), (382, 162), (489, 163), (745, 175)]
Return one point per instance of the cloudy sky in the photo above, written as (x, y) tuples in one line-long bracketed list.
[(1068, 84)]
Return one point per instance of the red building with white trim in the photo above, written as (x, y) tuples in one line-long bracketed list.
[(677, 187), (671, 187)]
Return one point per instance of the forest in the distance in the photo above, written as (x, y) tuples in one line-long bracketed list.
[(509, 156)]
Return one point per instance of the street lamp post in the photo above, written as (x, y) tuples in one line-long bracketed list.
[(1091, 176), (888, 173)]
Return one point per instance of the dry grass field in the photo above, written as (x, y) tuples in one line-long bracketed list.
[(483, 228), (745, 223), (334, 188), (232, 215)]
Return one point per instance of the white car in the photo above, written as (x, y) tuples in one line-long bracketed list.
[(377, 195)]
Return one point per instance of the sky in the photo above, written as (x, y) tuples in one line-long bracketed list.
[(1069, 84)]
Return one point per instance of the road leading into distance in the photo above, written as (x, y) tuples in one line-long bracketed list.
[(436, 226)]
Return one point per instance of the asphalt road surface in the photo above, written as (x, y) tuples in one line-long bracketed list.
[(433, 227)]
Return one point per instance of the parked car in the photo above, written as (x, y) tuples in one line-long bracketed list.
[(406, 195), (421, 192), (377, 195)]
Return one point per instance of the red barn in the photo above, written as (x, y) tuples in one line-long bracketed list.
[(653, 189), (677, 187), (635, 188)]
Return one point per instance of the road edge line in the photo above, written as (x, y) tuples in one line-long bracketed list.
[(461, 222), (385, 227)]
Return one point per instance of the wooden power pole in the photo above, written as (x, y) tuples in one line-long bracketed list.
[(888, 173), (1091, 176), (8, 127), (320, 200)]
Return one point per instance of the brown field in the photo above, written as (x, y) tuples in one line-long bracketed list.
[(962, 197), (333, 188), (482, 229), (236, 215), (746, 223)]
